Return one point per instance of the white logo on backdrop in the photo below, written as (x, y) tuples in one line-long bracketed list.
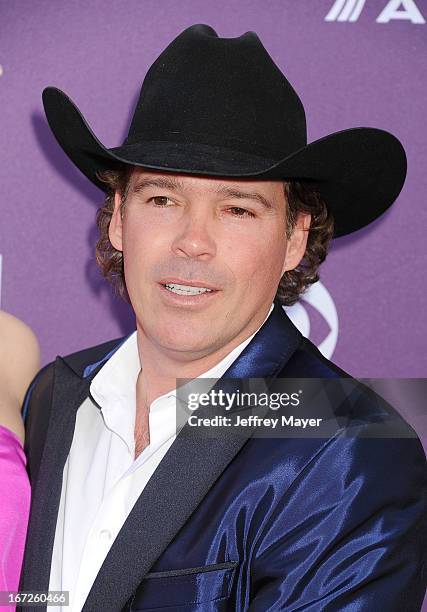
[(349, 10), (321, 300)]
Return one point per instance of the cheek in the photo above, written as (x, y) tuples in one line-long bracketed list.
[(257, 258), (141, 244)]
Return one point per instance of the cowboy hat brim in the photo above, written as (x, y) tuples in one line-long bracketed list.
[(359, 172)]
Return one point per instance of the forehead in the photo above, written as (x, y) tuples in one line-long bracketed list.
[(221, 186)]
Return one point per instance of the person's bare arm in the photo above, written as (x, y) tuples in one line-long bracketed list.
[(19, 362)]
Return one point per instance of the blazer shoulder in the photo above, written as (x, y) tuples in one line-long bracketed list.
[(40, 388), (93, 355), (37, 406), (355, 403), (308, 362)]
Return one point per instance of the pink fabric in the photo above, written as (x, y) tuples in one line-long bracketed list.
[(14, 510)]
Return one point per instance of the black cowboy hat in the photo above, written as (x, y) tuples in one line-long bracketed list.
[(221, 107)]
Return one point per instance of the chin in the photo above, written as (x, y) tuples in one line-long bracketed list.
[(185, 341), (188, 344)]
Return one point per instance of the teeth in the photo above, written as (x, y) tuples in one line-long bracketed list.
[(186, 289)]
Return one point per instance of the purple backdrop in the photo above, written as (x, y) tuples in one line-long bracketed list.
[(360, 73), (352, 63)]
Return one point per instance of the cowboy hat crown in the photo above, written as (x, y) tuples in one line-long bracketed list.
[(221, 107)]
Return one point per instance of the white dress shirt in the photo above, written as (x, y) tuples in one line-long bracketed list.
[(101, 479)]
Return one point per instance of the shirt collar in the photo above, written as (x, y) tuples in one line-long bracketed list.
[(114, 385)]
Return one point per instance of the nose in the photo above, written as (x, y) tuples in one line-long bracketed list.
[(194, 236)]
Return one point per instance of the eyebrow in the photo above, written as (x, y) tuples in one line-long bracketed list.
[(232, 192), (160, 182), (175, 184)]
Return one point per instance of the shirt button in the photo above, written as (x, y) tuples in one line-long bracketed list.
[(105, 535)]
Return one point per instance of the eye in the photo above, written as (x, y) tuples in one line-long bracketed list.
[(160, 201), (241, 212)]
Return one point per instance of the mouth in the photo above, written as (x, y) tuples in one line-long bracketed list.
[(189, 292), (186, 289)]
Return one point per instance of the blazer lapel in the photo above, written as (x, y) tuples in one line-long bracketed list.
[(69, 391), (183, 478)]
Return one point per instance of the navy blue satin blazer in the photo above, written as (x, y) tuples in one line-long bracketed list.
[(259, 524)]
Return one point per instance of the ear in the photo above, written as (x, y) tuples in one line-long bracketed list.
[(116, 227), (297, 243)]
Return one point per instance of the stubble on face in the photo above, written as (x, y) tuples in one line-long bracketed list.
[(225, 234)]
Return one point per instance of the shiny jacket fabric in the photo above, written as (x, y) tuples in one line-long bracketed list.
[(299, 523)]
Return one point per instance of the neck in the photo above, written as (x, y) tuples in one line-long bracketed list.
[(161, 367)]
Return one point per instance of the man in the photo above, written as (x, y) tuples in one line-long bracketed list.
[(217, 211)]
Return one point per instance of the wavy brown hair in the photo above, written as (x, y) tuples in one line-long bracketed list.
[(300, 197)]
